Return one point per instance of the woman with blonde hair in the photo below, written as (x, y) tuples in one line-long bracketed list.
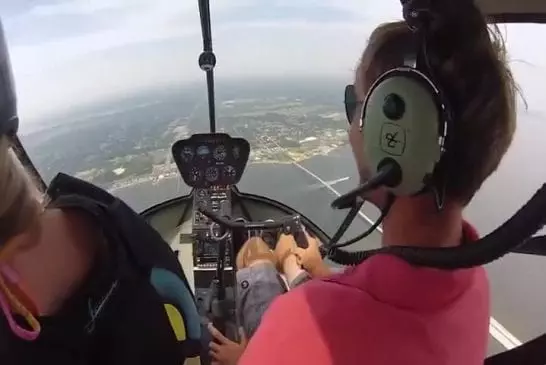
[(83, 279)]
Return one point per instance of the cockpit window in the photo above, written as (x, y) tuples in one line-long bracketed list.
[(106, 87)]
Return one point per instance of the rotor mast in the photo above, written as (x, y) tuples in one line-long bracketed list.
[(207, 59)]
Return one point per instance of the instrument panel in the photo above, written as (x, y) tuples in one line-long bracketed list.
[(206, 160)]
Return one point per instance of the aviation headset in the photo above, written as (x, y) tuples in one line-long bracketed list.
[(405, 122), (407, 125)]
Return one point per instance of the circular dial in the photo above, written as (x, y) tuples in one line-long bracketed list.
[(187, 154), (236, 152), (212, 174), (229, 171), (220, 153), (195, 174), (203, 151)]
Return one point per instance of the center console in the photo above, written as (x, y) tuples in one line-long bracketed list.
[(208, 242), (208, 235), (211, 164)]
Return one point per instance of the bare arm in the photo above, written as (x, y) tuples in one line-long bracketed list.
[(311, 260)]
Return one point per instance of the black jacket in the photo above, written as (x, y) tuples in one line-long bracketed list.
[(136, 306)]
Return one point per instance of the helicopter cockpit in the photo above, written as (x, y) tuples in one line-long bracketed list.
[(207, 224), (207, 227)]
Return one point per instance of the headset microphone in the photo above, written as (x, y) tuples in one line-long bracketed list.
[(9, 122)]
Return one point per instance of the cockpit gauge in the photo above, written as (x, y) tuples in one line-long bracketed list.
[(212, 174), (203, 151), (195, 174), (210, 159), (187, 154), (220, 153), (236, 152), (229, 171)]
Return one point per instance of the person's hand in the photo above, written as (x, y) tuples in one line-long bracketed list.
[(286, 245), (310, 259), (224, 351)]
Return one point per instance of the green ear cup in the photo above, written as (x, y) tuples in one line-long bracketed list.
[(401, 122)]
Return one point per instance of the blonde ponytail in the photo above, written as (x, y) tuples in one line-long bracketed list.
[(19, 200)]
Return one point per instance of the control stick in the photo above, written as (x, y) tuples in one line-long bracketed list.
[(288, 225), (218, 305), (220, 230)]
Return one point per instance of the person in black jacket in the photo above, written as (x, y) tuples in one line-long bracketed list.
[(83, 279)]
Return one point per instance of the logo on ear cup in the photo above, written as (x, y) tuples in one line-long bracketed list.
[(393, 139)]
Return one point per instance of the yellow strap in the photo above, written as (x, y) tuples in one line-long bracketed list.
[(6, 252), (177, 322), (18, 307)]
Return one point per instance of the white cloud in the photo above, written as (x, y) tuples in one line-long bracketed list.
[(243, 49), (37, 58), (75, 7), (135, 44), (137, 21)]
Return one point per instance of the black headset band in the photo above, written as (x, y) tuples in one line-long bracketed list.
[(418, 16)]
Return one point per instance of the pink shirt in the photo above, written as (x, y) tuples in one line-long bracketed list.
[(383, 311)]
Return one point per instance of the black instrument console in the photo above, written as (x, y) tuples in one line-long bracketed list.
[(211, 164), (207, 234), (206, 160)]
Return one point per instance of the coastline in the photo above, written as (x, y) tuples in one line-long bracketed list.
[(169, 172)]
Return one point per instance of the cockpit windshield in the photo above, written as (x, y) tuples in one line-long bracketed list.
[(106, 87), (106, 101)]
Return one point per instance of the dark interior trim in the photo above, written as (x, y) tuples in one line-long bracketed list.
[(321, 235), (164, 205)]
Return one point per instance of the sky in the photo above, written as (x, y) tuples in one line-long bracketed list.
[(71, 52)]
